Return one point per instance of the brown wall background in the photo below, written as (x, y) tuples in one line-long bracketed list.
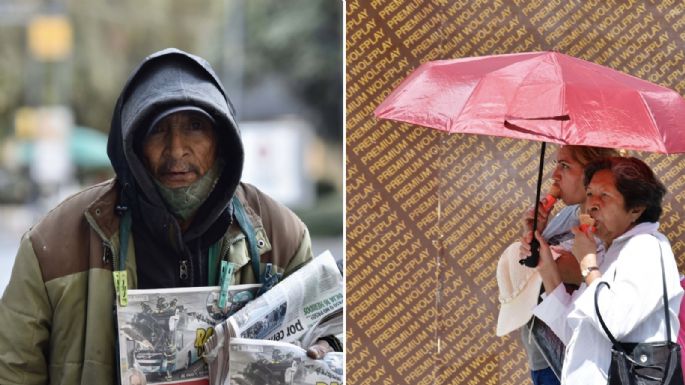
[(428, 214)]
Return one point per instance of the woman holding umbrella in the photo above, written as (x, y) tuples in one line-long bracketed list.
[(624, 198), (517, 305)]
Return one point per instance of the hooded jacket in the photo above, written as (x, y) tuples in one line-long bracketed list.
[(168, 80), (57, 311)]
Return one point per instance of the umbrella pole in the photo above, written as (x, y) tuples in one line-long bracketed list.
[(532, 260)]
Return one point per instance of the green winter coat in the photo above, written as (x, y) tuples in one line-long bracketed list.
[(57, 311)]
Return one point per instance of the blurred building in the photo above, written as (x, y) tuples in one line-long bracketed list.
[(63, 64)]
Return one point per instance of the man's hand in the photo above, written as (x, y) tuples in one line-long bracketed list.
[(319, 350)]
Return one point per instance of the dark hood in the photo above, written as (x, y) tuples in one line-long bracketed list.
[(164, 80)]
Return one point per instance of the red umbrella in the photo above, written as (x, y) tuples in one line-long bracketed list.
[(550, 96), (543, 96)]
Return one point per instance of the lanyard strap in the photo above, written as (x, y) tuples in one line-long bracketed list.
[(213, 257), (247, 228), (119, 276), (124, 233)]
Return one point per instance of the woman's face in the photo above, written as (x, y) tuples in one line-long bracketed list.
[(568, 176), (607, 206)]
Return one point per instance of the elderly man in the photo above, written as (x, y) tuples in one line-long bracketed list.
[(175, 210)]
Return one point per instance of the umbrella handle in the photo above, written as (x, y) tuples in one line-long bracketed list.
[(534, 257)]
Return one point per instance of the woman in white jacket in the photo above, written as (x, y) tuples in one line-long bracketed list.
[(624, 198)]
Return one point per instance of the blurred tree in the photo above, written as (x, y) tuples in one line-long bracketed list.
[(12, 79), (297, 43), (113, 37), (302, 41)]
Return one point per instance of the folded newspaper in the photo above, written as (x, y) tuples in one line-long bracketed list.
[(162, 332), (304, 306)]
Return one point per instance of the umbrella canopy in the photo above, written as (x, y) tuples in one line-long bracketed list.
[(544, 96)]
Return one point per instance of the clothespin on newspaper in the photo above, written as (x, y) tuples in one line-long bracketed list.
[(268, 279), (224, 280)]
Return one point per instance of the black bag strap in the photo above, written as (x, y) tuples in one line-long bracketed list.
[(616, 344)]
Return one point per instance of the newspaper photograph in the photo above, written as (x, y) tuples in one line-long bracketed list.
[(162, 332), (258, 362), (294, 305)]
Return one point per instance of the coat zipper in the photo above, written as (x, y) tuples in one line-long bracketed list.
[(183, 270), (108, 253)]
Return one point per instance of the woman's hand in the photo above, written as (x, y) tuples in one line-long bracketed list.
[(568, 266), (528, 220), (551, 278), (524, 249), (585, 251), (546, 261), (584, 248)]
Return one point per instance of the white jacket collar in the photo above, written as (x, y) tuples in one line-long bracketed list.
[(640, 228)]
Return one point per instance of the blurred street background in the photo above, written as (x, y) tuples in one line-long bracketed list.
[(64, 62)]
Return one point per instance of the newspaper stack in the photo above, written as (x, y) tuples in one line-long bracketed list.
[(291, 316), (162, 332)]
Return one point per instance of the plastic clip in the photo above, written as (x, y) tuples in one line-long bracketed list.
[(121, 286), (224, 280), (269, 279)]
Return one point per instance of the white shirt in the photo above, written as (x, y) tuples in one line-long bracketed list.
[(632, 308)]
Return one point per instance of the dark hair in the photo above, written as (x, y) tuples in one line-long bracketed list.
[(588, 154), (635, 181)]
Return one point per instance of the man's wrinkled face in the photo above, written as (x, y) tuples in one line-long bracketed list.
[(180, 149)]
